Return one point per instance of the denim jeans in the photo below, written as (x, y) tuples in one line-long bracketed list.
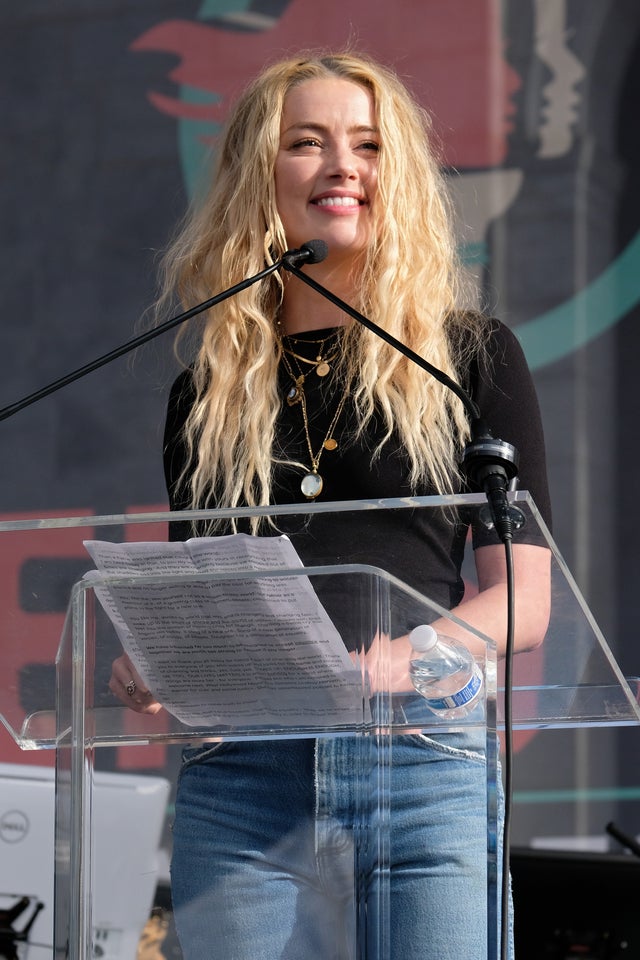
[(272, 839)]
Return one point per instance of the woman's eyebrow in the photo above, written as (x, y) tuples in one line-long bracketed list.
[(321, 128)]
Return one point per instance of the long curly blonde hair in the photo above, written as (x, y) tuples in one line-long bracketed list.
[(409, 285)]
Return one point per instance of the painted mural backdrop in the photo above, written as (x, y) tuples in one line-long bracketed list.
[(109, 112)]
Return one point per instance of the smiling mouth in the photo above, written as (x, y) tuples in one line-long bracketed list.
[(338, 202)]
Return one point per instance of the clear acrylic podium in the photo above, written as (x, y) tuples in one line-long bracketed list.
[(572, 680)]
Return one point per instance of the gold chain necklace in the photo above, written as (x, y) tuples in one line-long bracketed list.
[(312, 483), (321, 364)]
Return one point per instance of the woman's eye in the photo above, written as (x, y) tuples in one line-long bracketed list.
[(306, 142), (371, 145)]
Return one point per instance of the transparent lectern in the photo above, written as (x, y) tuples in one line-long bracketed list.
[(261, 651)]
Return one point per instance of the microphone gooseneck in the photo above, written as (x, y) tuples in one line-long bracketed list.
[(290, 265), (312, 252), (488, 464)]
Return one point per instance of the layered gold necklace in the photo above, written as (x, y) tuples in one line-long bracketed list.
[(322, 364), (312, 482)]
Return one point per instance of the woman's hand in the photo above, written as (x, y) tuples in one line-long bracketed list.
[(126, 685), (387, 664)]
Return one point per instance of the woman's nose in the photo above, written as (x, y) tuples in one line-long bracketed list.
[(342, 163)]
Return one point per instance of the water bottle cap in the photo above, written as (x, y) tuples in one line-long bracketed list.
[(423, 638)]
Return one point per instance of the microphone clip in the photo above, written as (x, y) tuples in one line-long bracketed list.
[(491, 465)]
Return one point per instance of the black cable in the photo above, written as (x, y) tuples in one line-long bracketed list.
[(508, 753), (624, 839)]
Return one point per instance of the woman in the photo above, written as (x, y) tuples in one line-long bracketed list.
[(289, 400)]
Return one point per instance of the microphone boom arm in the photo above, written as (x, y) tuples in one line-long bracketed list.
[(130, 345), (470, 406), (489, 464)]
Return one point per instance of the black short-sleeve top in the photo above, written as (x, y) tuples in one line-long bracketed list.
[(419, 547)]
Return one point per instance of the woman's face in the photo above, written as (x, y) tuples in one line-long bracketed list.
[(327, 165)]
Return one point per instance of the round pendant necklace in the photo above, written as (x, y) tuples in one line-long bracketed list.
[(312, 483)]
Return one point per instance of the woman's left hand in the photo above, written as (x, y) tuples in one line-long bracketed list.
[(387, 664)]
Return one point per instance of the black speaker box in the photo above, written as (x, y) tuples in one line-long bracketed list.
[(570, 905)]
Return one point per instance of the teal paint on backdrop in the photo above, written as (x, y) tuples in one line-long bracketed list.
[(211, 9), (192, 138), (591, 312), (590, 794)]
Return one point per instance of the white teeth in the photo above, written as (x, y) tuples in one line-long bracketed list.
[(338, 202)]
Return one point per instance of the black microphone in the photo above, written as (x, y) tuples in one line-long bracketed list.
[(490, 465), (312, 252)]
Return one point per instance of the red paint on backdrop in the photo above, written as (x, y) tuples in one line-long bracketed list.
[(450, 51), (30, 638)]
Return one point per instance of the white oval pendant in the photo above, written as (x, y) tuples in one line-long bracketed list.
[(311, 485)]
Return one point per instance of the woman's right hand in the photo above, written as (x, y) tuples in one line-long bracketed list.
[(125, 684)]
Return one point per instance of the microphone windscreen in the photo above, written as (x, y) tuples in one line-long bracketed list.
[(317, 251)]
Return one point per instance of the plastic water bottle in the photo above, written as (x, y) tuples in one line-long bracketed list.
[(445, 674)]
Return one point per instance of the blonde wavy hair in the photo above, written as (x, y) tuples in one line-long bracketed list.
[(409, 285)]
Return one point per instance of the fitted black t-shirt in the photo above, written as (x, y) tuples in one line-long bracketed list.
[(423, 548)]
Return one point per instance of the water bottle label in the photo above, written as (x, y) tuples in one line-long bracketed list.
[(460, 698)]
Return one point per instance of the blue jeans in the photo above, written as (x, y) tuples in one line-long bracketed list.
[(269, 838)]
